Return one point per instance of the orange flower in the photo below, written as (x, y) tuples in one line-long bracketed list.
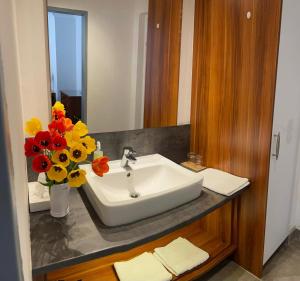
[(68, 124), (100, 166)]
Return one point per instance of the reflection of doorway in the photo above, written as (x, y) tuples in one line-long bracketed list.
[(67, 51)]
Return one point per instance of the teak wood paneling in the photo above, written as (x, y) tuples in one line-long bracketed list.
[(234, 78), (214, 233), (163, 63)]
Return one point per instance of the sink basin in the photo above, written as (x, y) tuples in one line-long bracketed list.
[(159, 183)]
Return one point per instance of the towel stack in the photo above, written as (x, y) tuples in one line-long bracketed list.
[(39, 198), (142, 268), (222, 182), (178, 257)]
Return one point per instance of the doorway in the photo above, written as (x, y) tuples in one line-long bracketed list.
[(68, 53)]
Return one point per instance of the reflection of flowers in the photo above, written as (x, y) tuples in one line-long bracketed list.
[(33, 126), (89, 143), (72, 138), (68, 124), (57, 173), (57, 126), (31, 147), (76, 178), (100, 166), (43, 139), (81, 129), (58, 106), (61, 157), (57, 114), (41, 163), (78, 153), (59, 143)]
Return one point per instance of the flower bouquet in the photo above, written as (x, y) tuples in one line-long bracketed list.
[(57, 152)]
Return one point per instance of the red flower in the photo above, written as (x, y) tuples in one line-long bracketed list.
[(31, 147), (100, 166), (43, 140), (41, 163), (57, 114), (59, 143), (57, 126)]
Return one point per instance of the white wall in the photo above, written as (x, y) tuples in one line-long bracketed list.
[(138, 66), (109, 65), (13, 67), (33, 58), (186, 63)]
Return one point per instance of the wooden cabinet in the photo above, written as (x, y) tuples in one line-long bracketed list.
[(215, 233), (234, 77)]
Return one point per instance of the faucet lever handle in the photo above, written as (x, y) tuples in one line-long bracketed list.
[(129, 150)]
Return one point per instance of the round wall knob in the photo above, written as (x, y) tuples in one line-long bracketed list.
[(249, 15)]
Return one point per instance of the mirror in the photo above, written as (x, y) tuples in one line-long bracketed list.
[(122, 64)]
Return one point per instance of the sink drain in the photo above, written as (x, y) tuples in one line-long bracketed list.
[(134, 195)]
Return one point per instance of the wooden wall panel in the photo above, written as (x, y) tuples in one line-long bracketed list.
[(234, 78), (163, 63)]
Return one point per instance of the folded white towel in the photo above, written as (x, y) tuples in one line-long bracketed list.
[(142, 268), (180, 256), (39, 199), (222, 182)]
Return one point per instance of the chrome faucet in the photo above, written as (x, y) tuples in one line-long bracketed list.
[(128, 157)]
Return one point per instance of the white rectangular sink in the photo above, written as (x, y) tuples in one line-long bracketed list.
[(160, 183)]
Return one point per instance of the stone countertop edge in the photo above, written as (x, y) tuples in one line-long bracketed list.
[(125, 245)]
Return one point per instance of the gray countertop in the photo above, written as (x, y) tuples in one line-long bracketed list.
[(81, 236)]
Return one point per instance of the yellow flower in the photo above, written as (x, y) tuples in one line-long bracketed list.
[(80, 128), (33, 126), (89, 144), (77, 178), (78, 153), (59, 106), (61, 157), (57, 173), (72, 138)]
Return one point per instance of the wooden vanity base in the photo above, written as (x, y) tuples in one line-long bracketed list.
[(215, 233)]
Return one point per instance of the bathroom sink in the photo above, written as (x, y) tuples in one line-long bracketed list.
[(154, 185)]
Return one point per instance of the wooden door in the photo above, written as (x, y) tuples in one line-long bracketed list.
[(234, 77), (163, 62)]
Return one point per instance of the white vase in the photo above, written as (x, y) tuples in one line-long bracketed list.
[(59, 200)]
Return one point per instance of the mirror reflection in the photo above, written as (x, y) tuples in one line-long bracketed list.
[(115, 64)]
